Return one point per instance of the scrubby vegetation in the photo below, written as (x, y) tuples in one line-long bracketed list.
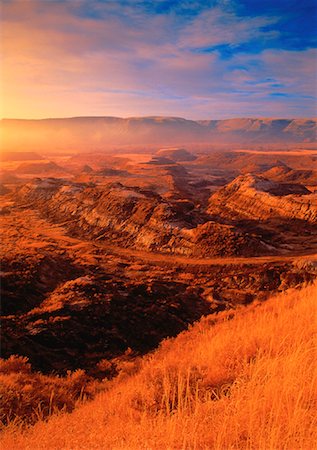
[(28, 396), (243, 379)]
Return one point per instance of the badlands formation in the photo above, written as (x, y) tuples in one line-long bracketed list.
[(108, 253)]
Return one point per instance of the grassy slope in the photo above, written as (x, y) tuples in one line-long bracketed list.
[(244, 380)]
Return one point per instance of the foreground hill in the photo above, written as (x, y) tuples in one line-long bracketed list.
[(243, 379), (95, 133)]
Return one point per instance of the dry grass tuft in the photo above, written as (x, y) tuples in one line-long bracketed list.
[(27, 396), (245, 380)]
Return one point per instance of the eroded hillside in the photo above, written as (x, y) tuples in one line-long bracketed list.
[(138, 218), (255, 197)]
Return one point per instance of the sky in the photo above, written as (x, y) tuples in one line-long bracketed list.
[(198, 59)]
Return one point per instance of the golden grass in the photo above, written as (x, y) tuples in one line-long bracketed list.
[(245, 380), (27, 396)]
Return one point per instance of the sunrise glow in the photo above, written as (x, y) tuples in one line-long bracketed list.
[(199, 59)]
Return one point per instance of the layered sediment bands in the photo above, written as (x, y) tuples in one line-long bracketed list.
[(137, 218), (254, 197), (228, 240)]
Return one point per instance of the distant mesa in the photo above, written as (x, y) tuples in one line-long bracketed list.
[(109, 172), (93, 134), (7, 177), (90, 162), (256, 162), (20, 156), (256, 167), (160, 160), (86, 169), (285, 174), (176, 154), (4, 190), (40, 168), (277, 172)]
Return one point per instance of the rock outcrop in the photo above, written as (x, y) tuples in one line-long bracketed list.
[(177, 154), (136, 218), (257, 198), (285, 174), (43, 168)]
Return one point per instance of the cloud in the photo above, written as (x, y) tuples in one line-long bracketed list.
[(272, 70), (119, 58), (217, 27)]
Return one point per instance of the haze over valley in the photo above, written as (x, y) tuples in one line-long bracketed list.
[(80, 134)]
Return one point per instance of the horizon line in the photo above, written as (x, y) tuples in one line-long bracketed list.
[(163, 117)]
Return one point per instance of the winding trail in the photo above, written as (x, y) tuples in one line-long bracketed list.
[(32, 231), (185, 260)]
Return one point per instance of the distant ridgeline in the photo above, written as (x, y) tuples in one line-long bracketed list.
[(102, 133)]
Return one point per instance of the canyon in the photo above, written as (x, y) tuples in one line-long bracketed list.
[(104, 255)]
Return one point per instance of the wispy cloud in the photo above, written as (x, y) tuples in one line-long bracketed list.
[(125, 58), (217, 27)]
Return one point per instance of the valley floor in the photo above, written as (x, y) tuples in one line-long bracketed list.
[(38, 233), (243, 379)]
